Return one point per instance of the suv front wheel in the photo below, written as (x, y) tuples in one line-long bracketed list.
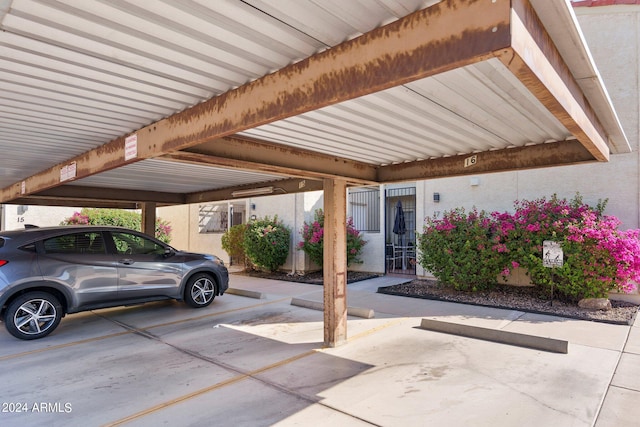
[(200, 290), (33, 315)]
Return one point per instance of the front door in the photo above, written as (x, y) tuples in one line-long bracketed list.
[(400, 220)]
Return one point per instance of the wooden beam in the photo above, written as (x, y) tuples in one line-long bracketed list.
[(531, 157), (535, 61), (442, 37), (335, 262), (255, 155)]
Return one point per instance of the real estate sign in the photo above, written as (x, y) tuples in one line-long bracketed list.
[(552, 255)]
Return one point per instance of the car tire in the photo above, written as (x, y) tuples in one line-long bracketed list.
[(200, 291), (33, 315)]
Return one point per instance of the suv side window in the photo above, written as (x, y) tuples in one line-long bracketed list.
[(128, 243), (75, 243)]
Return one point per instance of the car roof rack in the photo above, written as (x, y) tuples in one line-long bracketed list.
[(28, 226)]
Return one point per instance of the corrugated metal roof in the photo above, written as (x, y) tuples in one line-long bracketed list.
[(476, 108), (172, 177), (76, 74)]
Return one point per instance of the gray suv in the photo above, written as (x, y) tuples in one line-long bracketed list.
[(46, 273)]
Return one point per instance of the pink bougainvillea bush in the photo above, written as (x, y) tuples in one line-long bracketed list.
[(313, 240), (598, 257)]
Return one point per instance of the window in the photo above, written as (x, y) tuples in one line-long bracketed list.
[(128, 243), (75, 243), (213, 218), (365, 209)]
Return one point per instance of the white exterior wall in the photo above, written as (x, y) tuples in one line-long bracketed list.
[(372, 255), (16, 216), (292, 209)]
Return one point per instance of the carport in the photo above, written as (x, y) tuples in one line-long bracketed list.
[(140, 105)]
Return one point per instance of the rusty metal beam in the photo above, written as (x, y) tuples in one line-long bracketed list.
[(46, 201), (531, 157), (90, 194), (93, 197), (285, 186), (535, 61), (255, 155), (445, 36)]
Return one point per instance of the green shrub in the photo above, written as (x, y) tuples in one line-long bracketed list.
[(118, 218), (233, 243), (266, 243)]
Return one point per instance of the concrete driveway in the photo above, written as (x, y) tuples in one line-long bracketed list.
[(254, 359)]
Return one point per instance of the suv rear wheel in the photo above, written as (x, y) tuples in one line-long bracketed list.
[(33, 315)]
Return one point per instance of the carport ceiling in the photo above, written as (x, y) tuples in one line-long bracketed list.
[(226, 95)]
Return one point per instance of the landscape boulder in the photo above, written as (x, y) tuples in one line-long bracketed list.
[(595, 304)]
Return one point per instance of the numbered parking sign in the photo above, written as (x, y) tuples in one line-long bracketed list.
[(552, 254)]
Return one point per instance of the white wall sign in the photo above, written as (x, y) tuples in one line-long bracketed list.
[(68, 172), (131, 147), (552, 255)]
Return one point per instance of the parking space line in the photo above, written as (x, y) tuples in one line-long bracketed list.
[(376, 329), (104, 337), (59, 346), (204, 316), (202, 391), (252, 375)]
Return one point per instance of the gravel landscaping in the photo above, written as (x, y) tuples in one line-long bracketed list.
[(509, 297), (514, 297), (312, 278)]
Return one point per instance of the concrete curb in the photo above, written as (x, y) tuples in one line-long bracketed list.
[(366, 313), (504, 337), (245, 293)]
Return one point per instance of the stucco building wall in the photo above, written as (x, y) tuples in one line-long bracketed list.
[(13, 217)]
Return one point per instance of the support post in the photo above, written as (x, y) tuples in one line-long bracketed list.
[(335, 262), (149, 218)]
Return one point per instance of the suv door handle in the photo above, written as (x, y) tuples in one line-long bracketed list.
[(126, 261)]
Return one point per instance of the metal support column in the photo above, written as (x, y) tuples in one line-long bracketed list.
[(335, 262), (149, 218)]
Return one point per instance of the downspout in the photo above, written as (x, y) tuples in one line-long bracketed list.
[(293, 237)]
